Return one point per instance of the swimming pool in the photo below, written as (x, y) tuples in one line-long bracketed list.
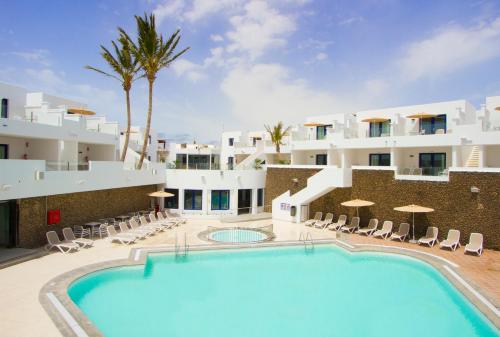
[(277, 292)]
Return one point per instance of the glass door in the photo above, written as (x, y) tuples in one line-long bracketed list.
[(321, 159), (432, 164), (4, 151), (6, 231)]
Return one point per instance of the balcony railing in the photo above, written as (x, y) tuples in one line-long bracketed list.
[(193, 166), (66, 166)]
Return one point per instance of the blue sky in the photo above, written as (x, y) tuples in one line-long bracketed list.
[(260, 61)]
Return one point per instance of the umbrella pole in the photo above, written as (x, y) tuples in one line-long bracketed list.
[(413, 228)]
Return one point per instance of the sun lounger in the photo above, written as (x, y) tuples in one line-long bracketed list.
[(147, 224), (317, 217), (475, 244), (63, 246), (430, 237), (70, 237), (452, 241), (402, 233), (341, 221), (324, 223), (126, 230), (123, 239), (368, 230), (173, 216), (149, 230), (162, 218), (385, 231), (165, 223), (353, 226)]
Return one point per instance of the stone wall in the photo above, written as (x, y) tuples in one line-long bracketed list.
[(76, 209), (455, 205)]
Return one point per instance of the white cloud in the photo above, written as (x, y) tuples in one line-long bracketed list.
[(216, 57), (258, 29), (47, 77), (40, 56), (202, 8), (216, 38), (266, 93), (192, 71), (321, 56), (450, 49), (168, 9), (351, 20)]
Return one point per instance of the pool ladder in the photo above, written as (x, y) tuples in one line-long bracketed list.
[(307, 240), (181, 250)]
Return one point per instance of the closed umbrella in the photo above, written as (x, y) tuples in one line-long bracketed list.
[(357, 203), (413, 209)]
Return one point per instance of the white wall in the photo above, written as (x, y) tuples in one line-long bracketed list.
[(16, 97), (492, 158)]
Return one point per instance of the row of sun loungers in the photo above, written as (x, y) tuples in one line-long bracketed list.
[(129, 233), (430, 238)]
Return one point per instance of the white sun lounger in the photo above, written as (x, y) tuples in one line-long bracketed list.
[(341, 221), (385, 231), (123, 239), (127, 231), (63, 246), (368, 230), (70, 237), (317, 217), (475, 244), (430, 238), (165, 223), (146, 229), (402, 233), (147, 224), (452, 241), (176, 217), (161, 218), (324, 223), (353, 226)]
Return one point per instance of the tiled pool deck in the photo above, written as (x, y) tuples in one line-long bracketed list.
[(23, 315)]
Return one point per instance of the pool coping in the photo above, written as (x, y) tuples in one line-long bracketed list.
[(71, 321)]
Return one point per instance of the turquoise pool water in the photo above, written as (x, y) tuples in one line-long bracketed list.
[(237, 236), (278, 292)]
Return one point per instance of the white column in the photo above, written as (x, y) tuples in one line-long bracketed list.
[(181, 200), (455, 156), (254, 201), (233, 201)]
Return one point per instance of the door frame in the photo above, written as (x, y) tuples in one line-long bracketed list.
[(13, 223), (6, 150), (433, 154)]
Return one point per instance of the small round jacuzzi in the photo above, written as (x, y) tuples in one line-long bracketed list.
[(237, 235)]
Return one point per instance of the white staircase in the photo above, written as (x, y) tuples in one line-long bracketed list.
[(248, 162), (318, 185), (473, 160)]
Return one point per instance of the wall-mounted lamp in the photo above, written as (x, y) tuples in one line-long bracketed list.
[(80, 182), (153, 171), (474, 189), (295, 180)]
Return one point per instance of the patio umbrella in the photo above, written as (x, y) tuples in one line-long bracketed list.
[(313, 124), (84, 112), (160, 194), (497, 108), (421, 115), (357, 203), (375, 120), (414, 209)]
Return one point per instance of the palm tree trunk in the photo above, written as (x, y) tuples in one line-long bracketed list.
[(148, 124), (278, 152), (127, 134)]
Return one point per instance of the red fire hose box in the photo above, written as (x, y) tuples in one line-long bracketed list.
[(53, 216)]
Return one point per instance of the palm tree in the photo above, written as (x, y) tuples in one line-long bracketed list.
[(126, 69), (153, 54), (277, 133)]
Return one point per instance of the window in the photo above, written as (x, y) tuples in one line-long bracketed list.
[(4, 151), (379, 129), (230, 163), (432, 164), (220, 200), (180, 161), (321, 131), (428, 126), (260, 197), (231, 141), (172, 202), (4, 110), (321, 159), (380, 159), (193, 199)]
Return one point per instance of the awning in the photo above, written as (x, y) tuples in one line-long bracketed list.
[(81, 112), (161, 194), (376, 120), (422, 115), (314, 124), (497, 108)]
